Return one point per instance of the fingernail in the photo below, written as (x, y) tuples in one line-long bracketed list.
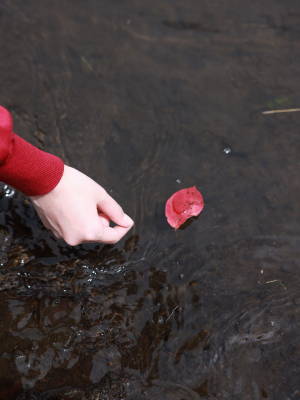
[(127, 220)]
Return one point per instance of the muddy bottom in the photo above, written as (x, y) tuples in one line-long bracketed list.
[(148, 98)]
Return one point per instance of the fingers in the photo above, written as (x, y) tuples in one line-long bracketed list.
[(57, 235), (97, 232), (113, 235), (107, 205), (103, 233), (104, 219)]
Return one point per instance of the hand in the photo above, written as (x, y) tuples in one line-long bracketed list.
[(79, 210)]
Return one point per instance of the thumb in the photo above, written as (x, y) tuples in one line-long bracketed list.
[(107, 205)]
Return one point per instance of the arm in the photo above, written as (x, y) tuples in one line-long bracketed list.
[(68, 202)]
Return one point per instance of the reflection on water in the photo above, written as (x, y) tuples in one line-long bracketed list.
[(130, 322), (149, 98)]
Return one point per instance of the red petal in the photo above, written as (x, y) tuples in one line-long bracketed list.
[(182, 205)]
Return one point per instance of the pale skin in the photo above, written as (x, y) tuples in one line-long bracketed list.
[(79, 210)]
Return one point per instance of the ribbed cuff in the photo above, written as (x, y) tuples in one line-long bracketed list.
[(31, 170), (6, 127)]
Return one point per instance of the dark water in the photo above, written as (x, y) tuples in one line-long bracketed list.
[(139, 94)]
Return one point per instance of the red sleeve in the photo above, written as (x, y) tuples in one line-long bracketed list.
[(22, 165)]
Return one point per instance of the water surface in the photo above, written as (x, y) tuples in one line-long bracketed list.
[(144, 97)]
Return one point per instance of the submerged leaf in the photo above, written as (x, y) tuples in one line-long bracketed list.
[(182, 205)]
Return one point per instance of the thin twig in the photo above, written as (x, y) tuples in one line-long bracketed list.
[(87, 63), (172, 312), (281, 111), (277, 280)]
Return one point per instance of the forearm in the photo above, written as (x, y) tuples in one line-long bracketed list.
[(68, 202), (22, 165)]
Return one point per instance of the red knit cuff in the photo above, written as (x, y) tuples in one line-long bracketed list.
[(31, 170), (6, 127)]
